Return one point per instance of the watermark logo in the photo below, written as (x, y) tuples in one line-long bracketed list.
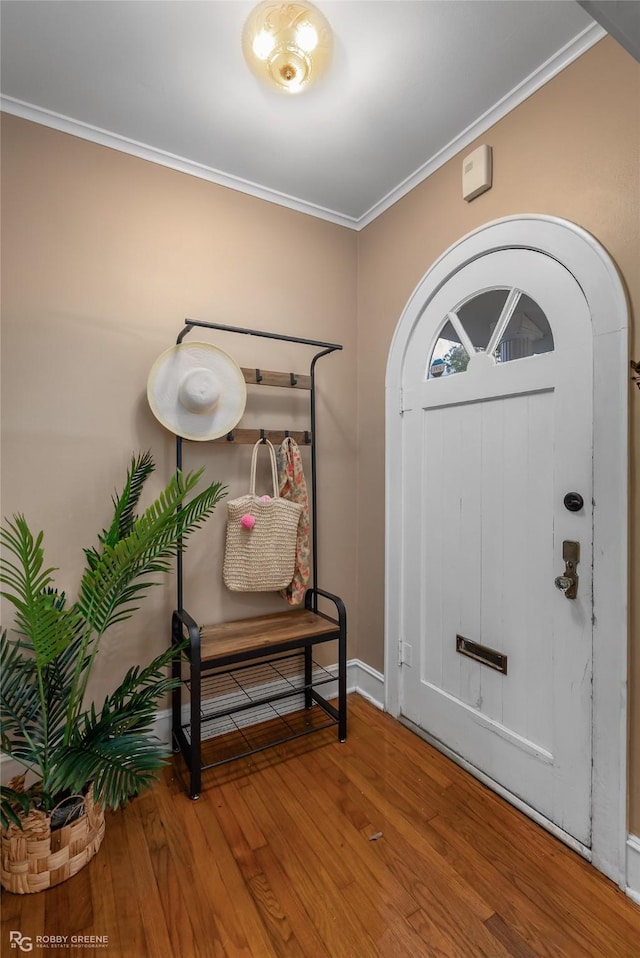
[(20, 941), (42, 942)]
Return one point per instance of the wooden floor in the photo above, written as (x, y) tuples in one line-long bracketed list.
[(376, 847)]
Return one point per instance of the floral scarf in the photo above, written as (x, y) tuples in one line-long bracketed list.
[(292, 486)]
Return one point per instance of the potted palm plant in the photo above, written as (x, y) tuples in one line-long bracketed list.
[(81, 757)]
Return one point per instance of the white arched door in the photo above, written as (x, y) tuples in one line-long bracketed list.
[(490, 451), (490, 493)]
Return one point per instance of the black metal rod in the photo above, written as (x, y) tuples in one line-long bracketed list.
[(176, 674), (314, 477), (326, 706), (190, 323), (308, 676), (195, 712), (179, 566), (262, 748)]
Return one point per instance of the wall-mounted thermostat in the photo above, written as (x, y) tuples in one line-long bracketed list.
[(477, 172)]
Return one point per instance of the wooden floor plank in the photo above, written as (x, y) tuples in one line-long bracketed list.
[(526, 866), (389, 930), (376, 848), (230, 897), (152, 915), (395, 744), (274, 917), (130, 930), (104, 895), (405, 852), (496, 889), (338, 928), (513, 942), (288, 898), (246, 823), (24, 914), (204, 865), (354, 842), (319, 834), (69, 910), (437, 943), (174, 893)]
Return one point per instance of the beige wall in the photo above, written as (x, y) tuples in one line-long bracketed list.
[(103, 255), (571, 150)]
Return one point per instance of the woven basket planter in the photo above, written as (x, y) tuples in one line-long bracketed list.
[(38, 857)]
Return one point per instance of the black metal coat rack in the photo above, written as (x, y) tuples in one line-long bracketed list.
[(238, 654), (307, 437)]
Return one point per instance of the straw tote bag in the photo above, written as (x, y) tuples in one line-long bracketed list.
[(260, 550)]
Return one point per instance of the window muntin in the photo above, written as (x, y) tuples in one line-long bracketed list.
[(505, 322)]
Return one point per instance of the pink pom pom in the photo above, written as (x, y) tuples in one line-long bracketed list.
[(265, 498), (247, 521)]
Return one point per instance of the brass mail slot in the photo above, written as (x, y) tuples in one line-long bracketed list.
[(481, 653)]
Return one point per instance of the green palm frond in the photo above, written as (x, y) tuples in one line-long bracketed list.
[(40, 616), (124, 505), (108, 588), (22, 730), (151, 678), (120, 766), (9, 799), (28, 577), (58, 682), (116, 749)]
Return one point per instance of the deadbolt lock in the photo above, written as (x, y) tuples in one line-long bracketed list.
[(568, 582)]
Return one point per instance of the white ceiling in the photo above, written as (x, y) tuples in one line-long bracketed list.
[(411, 83)]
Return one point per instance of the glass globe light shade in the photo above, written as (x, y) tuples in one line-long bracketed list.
[(287, 45)]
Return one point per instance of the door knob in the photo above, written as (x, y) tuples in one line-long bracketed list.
[(568, 582), (563, 582), (573, 501)]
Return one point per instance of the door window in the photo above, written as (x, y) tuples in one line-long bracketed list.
[(505, 322)]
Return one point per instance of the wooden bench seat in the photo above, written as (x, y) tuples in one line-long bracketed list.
[(261, 633)]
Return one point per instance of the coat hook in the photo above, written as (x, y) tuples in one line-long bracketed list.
[(230, 436), (294, 379), (286, 434), (258, 376), (263, 438), (307, 438)]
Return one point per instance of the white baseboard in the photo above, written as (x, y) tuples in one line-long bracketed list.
[(367, 682), (633, 868), (9, 768)]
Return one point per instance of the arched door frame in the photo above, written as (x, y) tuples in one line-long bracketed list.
[(598, 277)]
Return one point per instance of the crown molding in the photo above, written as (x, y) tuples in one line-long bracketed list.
[(550, 68), (57, 121), (85, 131)]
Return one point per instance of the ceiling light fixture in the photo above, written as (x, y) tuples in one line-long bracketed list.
[(287, 45)]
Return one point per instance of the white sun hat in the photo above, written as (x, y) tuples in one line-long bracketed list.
[(197, 391)]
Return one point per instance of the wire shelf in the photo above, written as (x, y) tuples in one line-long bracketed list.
[(227, 738), (279, 682), (257, 706)]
